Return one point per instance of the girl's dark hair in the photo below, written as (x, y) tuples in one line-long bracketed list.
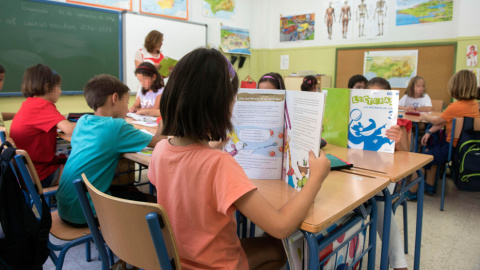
[(39, 80), (308, 83), (152, 40), (100, 87), (148, 69), (274, 78), (410, 91), (199, 96), (2, 69), (356, 79), (381, 82)]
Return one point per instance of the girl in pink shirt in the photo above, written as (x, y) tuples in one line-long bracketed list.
[(201, 187)]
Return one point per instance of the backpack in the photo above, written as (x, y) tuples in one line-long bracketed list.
[(23, 242), (466, 158)]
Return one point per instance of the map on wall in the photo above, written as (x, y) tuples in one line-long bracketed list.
[(397, 67), (298, 27), (177, 9), (423, 11), (223, 9), (113, 4), (235, 40)]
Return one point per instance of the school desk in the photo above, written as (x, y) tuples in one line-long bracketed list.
[(394, 166), (415, 120)]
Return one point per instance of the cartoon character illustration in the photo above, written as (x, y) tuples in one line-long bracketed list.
[(472, 56), (303, 171), (234, 144), (286, 151), (369, 135)]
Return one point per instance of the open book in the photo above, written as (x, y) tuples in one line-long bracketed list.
[(165, 64), (273, 132)]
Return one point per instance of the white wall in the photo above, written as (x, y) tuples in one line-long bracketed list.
[(266, 22)]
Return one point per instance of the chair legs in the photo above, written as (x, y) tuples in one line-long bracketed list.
[(442, 200), (63, 248)]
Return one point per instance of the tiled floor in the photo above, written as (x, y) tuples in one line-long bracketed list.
[(451, 239)]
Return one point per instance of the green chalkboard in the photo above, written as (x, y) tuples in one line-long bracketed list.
[(77, 42)]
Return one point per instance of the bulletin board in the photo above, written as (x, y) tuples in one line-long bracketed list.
[(436, 63)]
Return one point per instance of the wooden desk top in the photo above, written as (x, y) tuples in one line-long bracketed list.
[(341, 193), (394, 166), (415, 118)]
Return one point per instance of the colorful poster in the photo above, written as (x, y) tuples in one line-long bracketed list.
[(297, 27), (338, 20), (472, 55), (177, 9), (423, 11), (224, 9), (235, 40), (372, 112), (371, 19), (112, 4), (476, 71), (398, 67)]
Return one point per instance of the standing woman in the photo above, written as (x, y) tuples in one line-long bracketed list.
[(151, 50)]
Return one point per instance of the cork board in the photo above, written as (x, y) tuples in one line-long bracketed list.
[(436, 63)]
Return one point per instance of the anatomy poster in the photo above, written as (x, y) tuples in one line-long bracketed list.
[(337, 20), (371, 19)]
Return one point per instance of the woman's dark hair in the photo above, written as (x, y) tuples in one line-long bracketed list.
[(309, 83), (380, 82), (199, 96), (2, 69), (149, 70), (100, 87), (39, 80), (152, 40), (274, 78), (356, 79)]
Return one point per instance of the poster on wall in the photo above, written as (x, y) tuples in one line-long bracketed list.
[(371, 19), (423, 11), (176, 9), (337, 20), (472, 55), (223, 9), (297, 27), (111, 4), (476, 71), (397, 67), (235, 40)]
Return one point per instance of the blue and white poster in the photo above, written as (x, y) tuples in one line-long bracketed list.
[(372, 112)]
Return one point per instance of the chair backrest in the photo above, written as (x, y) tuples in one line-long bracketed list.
[(437, 105), (126, 231), (3, 135)]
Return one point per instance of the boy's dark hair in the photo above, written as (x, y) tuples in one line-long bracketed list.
[(100, 87), (2, 69), (39, 80), (274, 78), (199, 96), (152, 40), (356, 79), (410, 91), (149, 70), (463, 85), (308, 83), (380, 82)]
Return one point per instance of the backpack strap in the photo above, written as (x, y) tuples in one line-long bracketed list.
[(467, 124), (8, 151), (42, 241)]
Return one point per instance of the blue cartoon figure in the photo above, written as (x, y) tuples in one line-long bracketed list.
[(369, 135)]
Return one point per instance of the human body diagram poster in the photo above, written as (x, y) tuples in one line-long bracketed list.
[(372, 112), (273, 132)]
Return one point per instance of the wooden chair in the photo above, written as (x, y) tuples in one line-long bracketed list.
[(437, 105), (125, 228), (31, 184)]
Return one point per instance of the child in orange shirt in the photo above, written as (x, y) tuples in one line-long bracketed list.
[(201, 187), (463, 87)]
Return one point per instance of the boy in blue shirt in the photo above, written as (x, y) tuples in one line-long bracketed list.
[(97, 143)]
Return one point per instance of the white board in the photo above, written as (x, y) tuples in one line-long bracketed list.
[(179, 38)]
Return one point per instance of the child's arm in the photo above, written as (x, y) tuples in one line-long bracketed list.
[(433, 119), (283, 222), (158, 136), (154, 111), (66, 126), (425, 109), (427, 135), (135, 106), (7, 116), (409, 108)]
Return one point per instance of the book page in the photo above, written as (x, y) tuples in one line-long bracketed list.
[(303, 127), (256, 141), (372, 112)]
